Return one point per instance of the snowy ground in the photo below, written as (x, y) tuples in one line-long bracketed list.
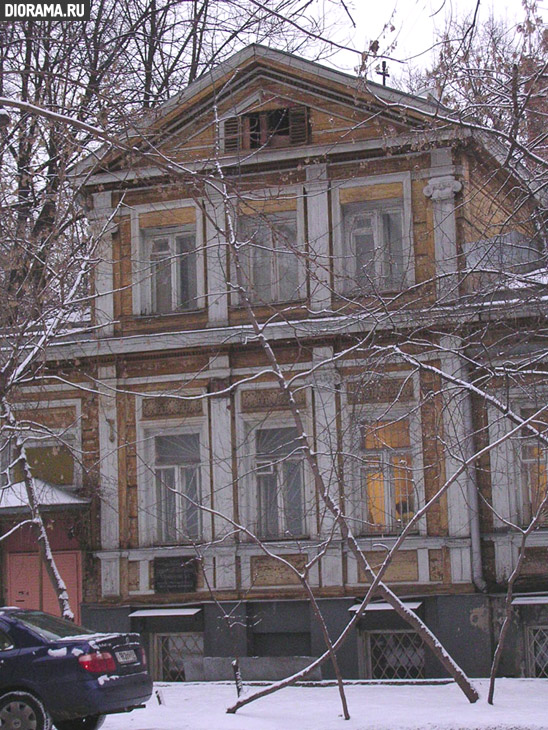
[(520, 704)]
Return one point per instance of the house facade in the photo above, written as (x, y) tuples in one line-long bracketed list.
[(284, 218)]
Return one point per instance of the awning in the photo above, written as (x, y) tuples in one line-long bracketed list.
[(380, 606), (13, 499), (150, 612), (530, 600)]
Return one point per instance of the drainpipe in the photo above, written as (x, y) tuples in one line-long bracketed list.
[(473, 502), (454, 345)]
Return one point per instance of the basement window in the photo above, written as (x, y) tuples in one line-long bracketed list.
[(281, 127), (395, 655)]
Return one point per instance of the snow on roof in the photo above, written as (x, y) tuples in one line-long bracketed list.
[(14, 496)]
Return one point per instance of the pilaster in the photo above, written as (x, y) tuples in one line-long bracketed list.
[(317, 203), (442, 190)]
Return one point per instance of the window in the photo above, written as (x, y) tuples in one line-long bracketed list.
[(53, 463), (395, 655), (537, 645), (178, 657), (533, 459), (5, 641), (373, 246), (279, 483), (177, 483), (383, 498), (270, 258), (273, 128), (171, 258)]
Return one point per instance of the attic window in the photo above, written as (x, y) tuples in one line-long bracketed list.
[(273, 128)]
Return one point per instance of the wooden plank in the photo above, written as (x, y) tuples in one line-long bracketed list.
[(263, 206), (365, 193), (266, 571), (404, 567), (172, 217)]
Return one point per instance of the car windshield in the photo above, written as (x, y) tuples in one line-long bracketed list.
[(50, 627)]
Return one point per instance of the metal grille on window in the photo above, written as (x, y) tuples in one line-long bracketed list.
[(538, 650), (174, 653), (396, 655)]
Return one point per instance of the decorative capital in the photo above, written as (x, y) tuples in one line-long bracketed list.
[(442, 188), (327, 377)]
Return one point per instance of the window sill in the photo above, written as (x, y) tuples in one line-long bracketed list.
[(368, 293), (387, 532), (178, 543), (283, 538), (293, 303), (155, 315)]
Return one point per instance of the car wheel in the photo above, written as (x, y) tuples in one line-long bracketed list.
[(23, 711), (92, 722)]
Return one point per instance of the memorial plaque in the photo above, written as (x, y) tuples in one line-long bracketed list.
[(175, 575)]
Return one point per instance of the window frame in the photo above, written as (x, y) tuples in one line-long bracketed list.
[(345, 279), (506, 467), (267, 140), (171, 234), (146, 477), (4, 633), (265, 202), (355, 417), (69, 437), (365, 655), (523, 499), (251, 423), (529, 641), (140, 262), (525, 503), (386, 466), (277, 466)]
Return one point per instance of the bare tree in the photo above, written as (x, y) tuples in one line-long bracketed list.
[(420, 320)]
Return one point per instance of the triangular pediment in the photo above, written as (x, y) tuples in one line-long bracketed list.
[(338, 104), (256, 82)]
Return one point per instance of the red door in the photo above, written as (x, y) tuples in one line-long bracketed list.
[(30, 587)]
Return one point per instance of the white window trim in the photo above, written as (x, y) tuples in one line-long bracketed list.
[(140, 270), (339, 246), (247, 491), (382, 411), (146, 467), (506, 462), (268, 194), (148, 237)]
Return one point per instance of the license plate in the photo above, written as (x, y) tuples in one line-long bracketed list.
[(126, 657)]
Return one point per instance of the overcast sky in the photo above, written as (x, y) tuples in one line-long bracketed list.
[(415, 23)]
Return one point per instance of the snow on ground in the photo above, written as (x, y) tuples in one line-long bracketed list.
[(520, 704)]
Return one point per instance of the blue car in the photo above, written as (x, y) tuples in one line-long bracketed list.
[(52, 671)]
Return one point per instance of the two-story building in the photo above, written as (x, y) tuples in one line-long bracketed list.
[(277, 208)]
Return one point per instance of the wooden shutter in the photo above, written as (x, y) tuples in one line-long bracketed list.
[(298, 125), (232, 134)]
